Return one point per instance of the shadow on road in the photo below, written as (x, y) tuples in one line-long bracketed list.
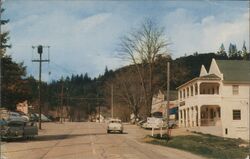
[(57, 137)]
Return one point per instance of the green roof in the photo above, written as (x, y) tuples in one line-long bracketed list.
[(235, 70)]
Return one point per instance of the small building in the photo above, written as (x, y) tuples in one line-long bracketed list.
[(217, 102), (23, 107), (159, 104)]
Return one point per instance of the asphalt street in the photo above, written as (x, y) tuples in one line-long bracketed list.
[(85, 140)]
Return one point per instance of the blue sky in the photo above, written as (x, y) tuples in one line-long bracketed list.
[(84, 35)]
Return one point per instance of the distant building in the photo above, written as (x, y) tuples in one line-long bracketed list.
[(217, 102), (159, 104), (23, 107)]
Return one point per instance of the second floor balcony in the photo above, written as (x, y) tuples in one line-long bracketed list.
[(200, 91)]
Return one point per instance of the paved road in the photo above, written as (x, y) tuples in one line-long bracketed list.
[(89, 141)]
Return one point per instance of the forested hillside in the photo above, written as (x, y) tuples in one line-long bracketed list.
[(85, 94)]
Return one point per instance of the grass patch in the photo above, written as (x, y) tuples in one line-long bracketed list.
[(204, 144)]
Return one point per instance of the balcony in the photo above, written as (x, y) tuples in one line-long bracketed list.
[(204, 93), (202, 99)]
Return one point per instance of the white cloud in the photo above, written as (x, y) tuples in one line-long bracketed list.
[(82, 44), (206, 35), (84, 35)]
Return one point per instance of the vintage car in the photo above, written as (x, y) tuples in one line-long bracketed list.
[(11, 129), (115, 125)]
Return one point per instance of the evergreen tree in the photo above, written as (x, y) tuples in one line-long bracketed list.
[(244, 51), (13, 86), (4, 37), (232, 51), (222, 51)]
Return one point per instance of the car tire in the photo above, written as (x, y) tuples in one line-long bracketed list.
[(108, 131), (121, 132)]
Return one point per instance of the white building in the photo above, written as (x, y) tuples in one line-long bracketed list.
[(159, 103), (217, 102)]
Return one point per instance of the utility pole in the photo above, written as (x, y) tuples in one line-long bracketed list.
[(40, 52), (112, 102), (168, 100), (1, 69), (99, 113), (61, 110)]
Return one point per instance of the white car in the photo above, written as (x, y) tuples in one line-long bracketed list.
[(153, 122), (115, 125)]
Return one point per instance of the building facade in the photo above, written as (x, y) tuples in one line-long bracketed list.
[(217, 102), (159, 104)]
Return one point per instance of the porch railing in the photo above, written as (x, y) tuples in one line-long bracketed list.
[(209, 122)]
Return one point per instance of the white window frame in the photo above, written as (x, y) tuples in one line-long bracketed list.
[(235, 89)]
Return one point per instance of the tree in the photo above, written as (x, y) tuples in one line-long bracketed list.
[(141, 48), (14, 88), (222, 51), (232, 51), (128, 90), (12, 84), (4, 37), (245, 54)]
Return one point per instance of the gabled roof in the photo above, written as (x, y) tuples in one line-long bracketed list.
[(234, 70), (203, 71)]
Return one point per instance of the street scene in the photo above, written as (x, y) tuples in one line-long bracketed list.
[(124, 79), (89, 140)]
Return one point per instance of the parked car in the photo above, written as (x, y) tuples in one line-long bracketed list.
[(17, 116), (153, 122), (115, 125), (12, 129), (35, 117)]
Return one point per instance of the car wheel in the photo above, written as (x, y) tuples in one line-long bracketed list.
[(108, 131), (121, 132)]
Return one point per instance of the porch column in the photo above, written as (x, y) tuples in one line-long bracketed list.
[(195, 116), (189, 91), (199, 115), (183, 120), (190, 117), (198, 84), (186, 118), (179, 114)]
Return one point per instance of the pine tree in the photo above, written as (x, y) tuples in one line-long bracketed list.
[(4, 37), (222, 51), (244, 51), (13, 85), (232, 51)]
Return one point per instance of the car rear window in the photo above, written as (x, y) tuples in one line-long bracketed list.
[(114, 121)]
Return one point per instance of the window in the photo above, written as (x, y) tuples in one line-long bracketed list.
[(235, 89), (236, 115)]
